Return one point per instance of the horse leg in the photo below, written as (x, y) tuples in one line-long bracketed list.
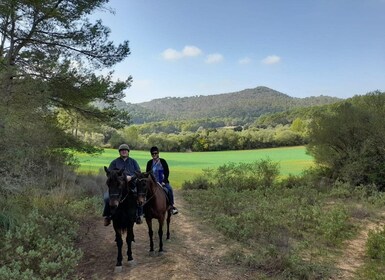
[(119, 244), (129, 239), (150, 234), (168, 224), (160, 234)]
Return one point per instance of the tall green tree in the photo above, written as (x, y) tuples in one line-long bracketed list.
[(50, 53), (349, 140)]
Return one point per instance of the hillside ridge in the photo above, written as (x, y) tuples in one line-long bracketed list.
[(247, 103)]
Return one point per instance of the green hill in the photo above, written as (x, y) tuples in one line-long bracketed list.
[(245, 104)]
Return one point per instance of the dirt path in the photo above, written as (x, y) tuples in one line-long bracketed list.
[(353, 257), (194, 252)]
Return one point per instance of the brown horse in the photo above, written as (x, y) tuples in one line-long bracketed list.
[(123, 203), (155, 206)]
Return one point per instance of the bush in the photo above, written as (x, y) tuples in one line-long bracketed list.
[(41, 248), (246, 176), (292, 181), (334, 225), (198, 183), (375, 245), (348, 140)]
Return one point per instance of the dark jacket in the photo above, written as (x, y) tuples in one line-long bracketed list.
[(129, 165), (165, 169)]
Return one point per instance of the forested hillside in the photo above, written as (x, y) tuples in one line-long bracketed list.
[(246, 104)]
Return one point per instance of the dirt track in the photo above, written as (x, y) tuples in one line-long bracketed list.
[(195, 251), (192, 253)]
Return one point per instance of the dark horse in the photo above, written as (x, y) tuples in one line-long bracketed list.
[(123, 205), (155, 206)]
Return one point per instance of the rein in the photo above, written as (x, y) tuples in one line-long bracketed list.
[(124, 198), (153, 194)]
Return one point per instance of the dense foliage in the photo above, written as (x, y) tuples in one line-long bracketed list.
[(211, 139), (242, 107), (348, 140), (49, 54)]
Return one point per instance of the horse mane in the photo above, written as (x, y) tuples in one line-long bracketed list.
[(152, 177)]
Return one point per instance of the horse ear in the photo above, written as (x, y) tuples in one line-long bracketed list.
[(106, 170), (151, 175)]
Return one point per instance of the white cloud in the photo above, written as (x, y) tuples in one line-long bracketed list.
[(214, 58), (188, 51), (191, 51), (271, 59), (245, 60), (171, 54)]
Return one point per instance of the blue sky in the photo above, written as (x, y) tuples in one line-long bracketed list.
[(301, 48)]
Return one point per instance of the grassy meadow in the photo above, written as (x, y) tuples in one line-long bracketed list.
[(186, 166)]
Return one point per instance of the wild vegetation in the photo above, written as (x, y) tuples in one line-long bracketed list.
[(291, 228), (50, 54)]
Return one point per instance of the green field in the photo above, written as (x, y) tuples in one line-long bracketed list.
[(185, 166)]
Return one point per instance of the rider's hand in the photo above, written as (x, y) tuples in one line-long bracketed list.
[(129, 178)]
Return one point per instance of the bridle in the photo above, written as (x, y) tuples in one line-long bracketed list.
[(118, 196), (145, 194)]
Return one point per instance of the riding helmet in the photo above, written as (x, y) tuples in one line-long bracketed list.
[(124, 147)]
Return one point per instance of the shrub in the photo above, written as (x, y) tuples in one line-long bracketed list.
[(375, 244), (348, 139), (198, 183), (40, 248), (246, 176), (292, 181), (334, 225)]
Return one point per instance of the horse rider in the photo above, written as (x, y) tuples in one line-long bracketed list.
[(129, 167), (159, 168)]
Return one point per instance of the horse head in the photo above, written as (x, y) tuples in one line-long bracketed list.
[(143, 181), (117, 186)]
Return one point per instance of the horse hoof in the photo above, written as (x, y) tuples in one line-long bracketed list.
[(132, 263), (118, 269), (151, 253)]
